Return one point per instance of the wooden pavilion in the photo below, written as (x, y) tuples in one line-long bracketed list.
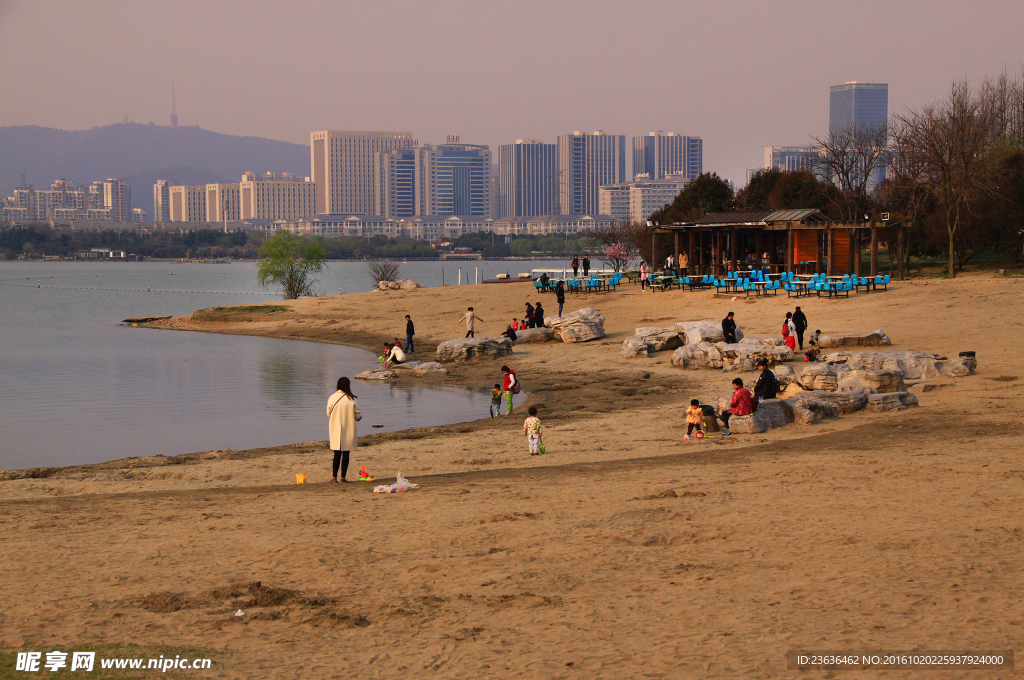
[(804, 241)]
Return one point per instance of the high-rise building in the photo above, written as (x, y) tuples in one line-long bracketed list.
[(342, 168), (790, 158), (395, 183), (667, 153), (857, 103), (222, 202), (188, 204), (276, 197), (162, 200), (586, 162), (453, 179), (528, 179), (117, 197)]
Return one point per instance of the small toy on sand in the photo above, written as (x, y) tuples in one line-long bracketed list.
[(364, 476)]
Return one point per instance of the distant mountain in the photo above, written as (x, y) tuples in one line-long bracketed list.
[(140, 154)]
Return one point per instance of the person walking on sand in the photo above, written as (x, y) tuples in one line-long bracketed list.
[(800, 322), (694, 419), (470, 319), (575, 266), (342, 416), (644, 273), (510, 386), (729, 328), (532, 430), (410, 330), (586, 266), (789, 331), (560, 296)]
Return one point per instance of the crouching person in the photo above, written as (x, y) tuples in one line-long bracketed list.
[(740, 405)]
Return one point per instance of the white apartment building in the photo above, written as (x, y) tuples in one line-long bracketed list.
[(790, 158), (551, 225), (342, 168), (188, 203), (276, 197), (65, 201), (636, 200), (162, 200), (223, 202), (587, 161), (117, 196)]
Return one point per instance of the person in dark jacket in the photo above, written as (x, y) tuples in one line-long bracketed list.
[(410, 331), (800, 321), (530, 322), (538, 316), (560, 295), (729, 328), (575, 266), (509, 333), (767, 383), (586, 265)]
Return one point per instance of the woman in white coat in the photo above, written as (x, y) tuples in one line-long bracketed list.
[(342, 414)]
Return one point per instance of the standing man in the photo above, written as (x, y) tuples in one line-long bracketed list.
[(410, 331), (729, 328), (668, 264), (800, 321), (586, 265), (560, 296), (470, 319)]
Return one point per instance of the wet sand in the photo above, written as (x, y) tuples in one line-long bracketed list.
[(625, 552)]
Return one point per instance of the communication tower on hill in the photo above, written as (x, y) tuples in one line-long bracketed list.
[(174, 108)]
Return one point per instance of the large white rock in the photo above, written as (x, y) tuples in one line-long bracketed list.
[(659, 339), (840, 339), (634, 347), (769, 415), (874, 381), (911, 364), (376, 374), (743, 356), (807, 410), (407, 284), (819, 377), (529, 335), (582, 325), (701, 355), (463, 349), (708, 330), (388, 285), (848, 402), (892, 401), (420, 367)]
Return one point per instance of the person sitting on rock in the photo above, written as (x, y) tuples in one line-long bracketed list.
[(739, 406), (509, 333), (393, 355), (729, 328), (767, 385)]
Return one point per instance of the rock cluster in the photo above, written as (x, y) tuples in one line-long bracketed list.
[(582, 325), (464, 349), (401, 284)]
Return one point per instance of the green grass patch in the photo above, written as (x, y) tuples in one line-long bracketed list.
[(9, 657)]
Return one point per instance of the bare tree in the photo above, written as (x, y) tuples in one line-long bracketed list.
[(951, 144), (619, 242), (382, 270)]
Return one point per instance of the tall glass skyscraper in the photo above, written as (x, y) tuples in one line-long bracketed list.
[(856, 103)]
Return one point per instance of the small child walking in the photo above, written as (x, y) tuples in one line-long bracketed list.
[(694, 418), (496, 401), (531, 427)]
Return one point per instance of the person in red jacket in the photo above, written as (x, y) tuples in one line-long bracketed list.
[(739, 406)]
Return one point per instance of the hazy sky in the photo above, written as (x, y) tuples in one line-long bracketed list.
[(742, 74)]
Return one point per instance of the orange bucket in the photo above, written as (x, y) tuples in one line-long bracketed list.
[(300, 479)]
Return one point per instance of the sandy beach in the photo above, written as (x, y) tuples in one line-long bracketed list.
[(625, 552)]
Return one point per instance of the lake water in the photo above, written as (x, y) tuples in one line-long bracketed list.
[(77, 386)]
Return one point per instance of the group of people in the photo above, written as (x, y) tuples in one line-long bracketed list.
[(793, 328), (743, 402)]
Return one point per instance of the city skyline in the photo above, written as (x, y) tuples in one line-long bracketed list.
[(573, 69)]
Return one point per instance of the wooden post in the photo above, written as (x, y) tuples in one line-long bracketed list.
[(678, 241), (732, 249), (900, 245), (654, 249), (819, 251), (691, 261), (874, 250), (719, 256), (789, 248), (830, 270)]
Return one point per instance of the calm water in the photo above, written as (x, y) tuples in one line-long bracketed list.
[(76, 386)]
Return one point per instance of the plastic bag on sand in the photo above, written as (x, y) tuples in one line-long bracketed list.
[(401, 484)]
